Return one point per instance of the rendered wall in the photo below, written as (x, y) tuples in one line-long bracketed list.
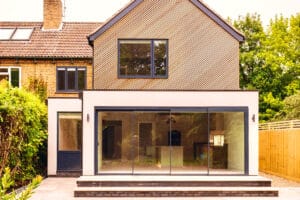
[(93, 99), (56, 105)]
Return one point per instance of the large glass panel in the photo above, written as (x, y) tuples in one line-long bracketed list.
[(69, 131), (135, 57), (6, 33), (160, 57), (15, 77), (150, 142), (61, 78), (227, 143), (115, 142), (4, 77), (188, 141), (71, 78), (22, 34), (81, 78)]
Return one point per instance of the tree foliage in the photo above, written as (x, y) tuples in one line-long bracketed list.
[(23, 124), (270, 61)]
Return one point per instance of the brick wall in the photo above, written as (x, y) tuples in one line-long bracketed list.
[(46, 69), (53, 13)]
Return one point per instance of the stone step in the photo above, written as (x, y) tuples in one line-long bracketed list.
[(175, 192), (172, 181)]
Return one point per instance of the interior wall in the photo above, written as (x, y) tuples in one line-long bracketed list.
[(234, 134)]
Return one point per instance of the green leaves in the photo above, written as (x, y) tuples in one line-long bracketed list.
[(6, 182), (270, 60), (23, 128)]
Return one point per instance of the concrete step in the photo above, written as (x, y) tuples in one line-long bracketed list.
[(175, 192), (173, 181)]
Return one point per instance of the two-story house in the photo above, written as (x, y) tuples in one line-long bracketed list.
[(165, 98), (153, 90)]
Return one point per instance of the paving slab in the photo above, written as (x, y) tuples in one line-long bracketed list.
[(63, 189)]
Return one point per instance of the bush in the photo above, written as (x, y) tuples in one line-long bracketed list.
[(6, 182), (23, 125)]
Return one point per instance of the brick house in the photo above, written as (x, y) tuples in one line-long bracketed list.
[(153, 90), (40, 49)]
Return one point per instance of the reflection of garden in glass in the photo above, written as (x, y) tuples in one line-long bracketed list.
[(162, 142), (144, 58)]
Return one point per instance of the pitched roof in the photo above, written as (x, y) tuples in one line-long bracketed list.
[(216, 18), (69, 42)]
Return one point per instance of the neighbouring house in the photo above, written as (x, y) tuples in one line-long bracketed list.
[(153, 90)]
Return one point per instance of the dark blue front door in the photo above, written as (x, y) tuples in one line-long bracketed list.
[(69, 155)]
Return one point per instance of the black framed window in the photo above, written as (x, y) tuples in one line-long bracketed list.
[(71, 78), (143, 58)]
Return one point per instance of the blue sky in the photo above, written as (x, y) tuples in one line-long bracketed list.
[(100, 10)]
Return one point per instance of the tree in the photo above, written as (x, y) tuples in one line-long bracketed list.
[(269, 61), (291, 108), (23, 125)]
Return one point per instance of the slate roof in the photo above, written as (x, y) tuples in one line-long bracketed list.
[(69, 42)]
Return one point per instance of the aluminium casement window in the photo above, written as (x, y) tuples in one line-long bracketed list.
[(12, 75), (71, 78), (143, 58)]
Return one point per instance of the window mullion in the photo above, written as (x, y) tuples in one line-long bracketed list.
[(76, 78), (66, 79), (152, 59), (9, 75)]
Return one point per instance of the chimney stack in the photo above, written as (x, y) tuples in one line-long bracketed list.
[(53, 14)]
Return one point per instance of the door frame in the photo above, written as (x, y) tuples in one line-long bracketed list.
[(61, 153), (208, 110)]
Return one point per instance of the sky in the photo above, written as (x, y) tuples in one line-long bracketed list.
[(100, 10)]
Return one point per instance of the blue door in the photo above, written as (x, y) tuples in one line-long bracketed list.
[(69, 154)]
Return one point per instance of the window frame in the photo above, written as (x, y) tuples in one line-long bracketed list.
[(152, 67), (8, 73), (66, 87)]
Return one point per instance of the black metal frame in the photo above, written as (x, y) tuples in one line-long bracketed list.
[(66, 78), (208, 110), (152, 67)]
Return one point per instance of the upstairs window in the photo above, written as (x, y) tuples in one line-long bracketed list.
[(12, 75), (71, 78), (143, 58)]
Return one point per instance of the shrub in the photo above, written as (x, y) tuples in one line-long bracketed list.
[(23, 125)]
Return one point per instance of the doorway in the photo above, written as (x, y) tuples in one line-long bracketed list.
[(69, 142), (202, 141)]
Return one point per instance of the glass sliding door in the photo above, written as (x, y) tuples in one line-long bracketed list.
[(200, 141), (114, 142), (150, 143), (189, 142), (227, 143)]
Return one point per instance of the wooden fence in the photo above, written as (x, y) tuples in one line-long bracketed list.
[(279, 149)]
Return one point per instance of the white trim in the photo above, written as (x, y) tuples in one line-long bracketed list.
[(9, 73)]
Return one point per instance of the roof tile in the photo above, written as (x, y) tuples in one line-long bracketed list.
[(69, 42)]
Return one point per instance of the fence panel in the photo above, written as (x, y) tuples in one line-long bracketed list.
[(279, 152)]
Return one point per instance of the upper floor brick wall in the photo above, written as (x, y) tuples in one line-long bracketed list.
[(202, 55)]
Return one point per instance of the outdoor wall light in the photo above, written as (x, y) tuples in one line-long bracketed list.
[(253, 117), (87, 117)]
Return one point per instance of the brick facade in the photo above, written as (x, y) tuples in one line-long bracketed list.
[(46, 69), (53, 13)]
